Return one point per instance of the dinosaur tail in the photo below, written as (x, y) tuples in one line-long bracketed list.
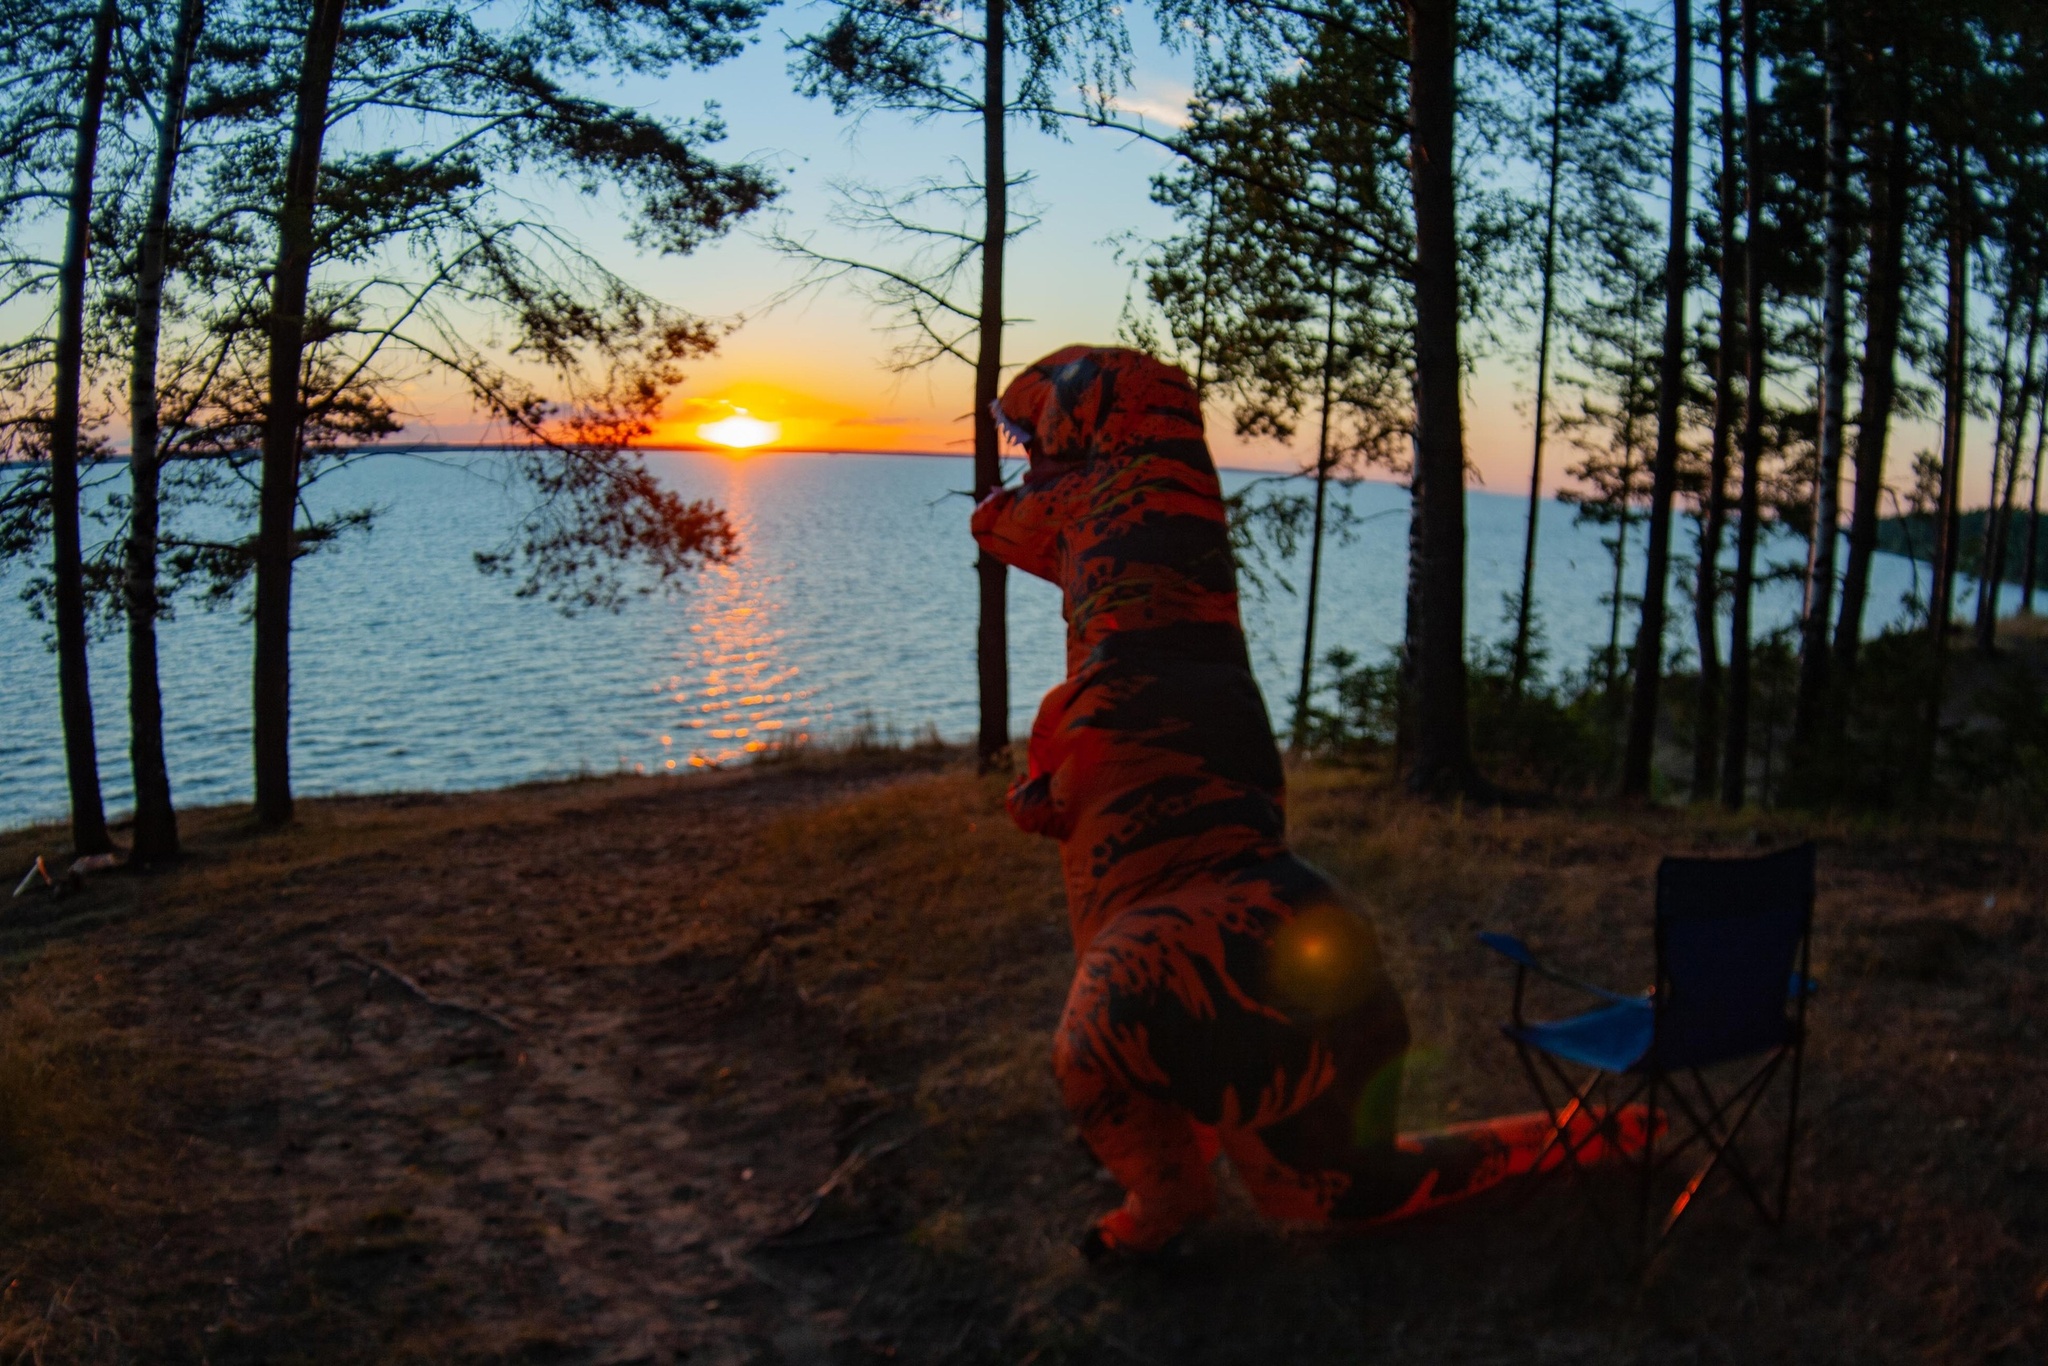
[(1464, 1160)]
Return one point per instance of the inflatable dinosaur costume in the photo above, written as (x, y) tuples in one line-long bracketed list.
[(1226, 993)]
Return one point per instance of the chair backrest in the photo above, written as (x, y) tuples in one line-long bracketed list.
[(1730, 935)]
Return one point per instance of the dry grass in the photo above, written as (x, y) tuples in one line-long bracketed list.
[(729, 991)]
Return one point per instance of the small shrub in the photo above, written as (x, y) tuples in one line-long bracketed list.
[(1557, 736)]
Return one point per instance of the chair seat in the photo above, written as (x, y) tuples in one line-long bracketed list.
[(1613, 1038)]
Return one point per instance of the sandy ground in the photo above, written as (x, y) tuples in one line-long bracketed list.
[(752, 1068)]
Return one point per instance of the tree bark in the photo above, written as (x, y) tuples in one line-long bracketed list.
[(1617, 597), (1706, 741), (2034, 503), (1440, 760), (156, 819), (1811, 703), (992, 646), (67, 569), (1315, 545), (277, 505), (1879, 384), (1998, 516), (1735, 754), (1649, 661), (1201, 375), (1948, 525), (1518, 667)]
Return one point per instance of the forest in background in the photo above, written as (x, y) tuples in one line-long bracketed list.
[(1721, 240)]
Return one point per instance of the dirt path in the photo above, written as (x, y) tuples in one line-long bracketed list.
[(479, 1084), (557, 1075)]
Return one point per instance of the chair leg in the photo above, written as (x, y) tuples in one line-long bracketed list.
[(1738, 1166), (1791, 1131), (1561, 1116), (1722, 1145), (1603, 1088)]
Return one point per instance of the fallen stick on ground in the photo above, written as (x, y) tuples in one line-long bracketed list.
[(855, 1160), (422, 994)]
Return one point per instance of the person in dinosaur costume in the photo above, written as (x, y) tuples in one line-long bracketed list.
[(1227, 995)]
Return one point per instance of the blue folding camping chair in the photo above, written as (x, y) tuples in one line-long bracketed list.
[(1733, 941)]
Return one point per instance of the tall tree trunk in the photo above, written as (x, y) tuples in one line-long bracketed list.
[(1315, 544), (992, 637), (1879, 383), (1810, 704), (1735, 754), (1518, 667), (1948, 522), (1201, 375), (1706, 740), (156, 820), (2034, 503), (1991, 575), (1649, 664), (1440, 760), (1988, 534), (1618, 597), (277, 500), (67, 568)]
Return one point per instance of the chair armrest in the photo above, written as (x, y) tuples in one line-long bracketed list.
[(1524, 958), (1510, 948)]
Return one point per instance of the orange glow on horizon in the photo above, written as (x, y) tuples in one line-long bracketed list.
[(752, 415)]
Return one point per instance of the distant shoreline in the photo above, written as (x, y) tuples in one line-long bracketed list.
[(1894, 532), (462, 447)]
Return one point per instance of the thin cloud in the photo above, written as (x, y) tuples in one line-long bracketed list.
[(1155, 101)]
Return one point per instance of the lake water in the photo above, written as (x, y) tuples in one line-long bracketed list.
[(851, 603)]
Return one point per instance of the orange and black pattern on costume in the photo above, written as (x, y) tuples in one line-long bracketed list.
[(1226, 994)]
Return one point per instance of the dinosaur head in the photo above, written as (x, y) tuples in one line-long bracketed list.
[(1073, 412), (1087, 403)]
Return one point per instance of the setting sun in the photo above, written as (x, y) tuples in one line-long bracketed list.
[(741, 431)]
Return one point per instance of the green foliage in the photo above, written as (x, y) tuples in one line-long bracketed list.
[(1286, 289), (1269, 520), (918, 57), (1913, 535), (2001, 760), (1557, 737), (433, 263), (1988, 758)]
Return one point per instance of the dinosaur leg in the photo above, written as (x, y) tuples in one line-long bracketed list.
[(1154, 1148), (1155, 1152)]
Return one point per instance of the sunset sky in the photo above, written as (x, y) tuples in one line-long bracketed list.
[(812, 371), (816, 366)]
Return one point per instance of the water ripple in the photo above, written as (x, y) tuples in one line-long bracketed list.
[(851, 604)]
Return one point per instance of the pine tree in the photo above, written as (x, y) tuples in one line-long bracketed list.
[(1434, 702), (1616, 372), (1580, 72), (60, 61), (1735, 752), (1649, 651), (1813, 698), (310, 348), (917, 59), (1714, 496), (1311, 316), (156, 824)]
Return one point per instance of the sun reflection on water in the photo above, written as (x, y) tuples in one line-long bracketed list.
[(735, 694)]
